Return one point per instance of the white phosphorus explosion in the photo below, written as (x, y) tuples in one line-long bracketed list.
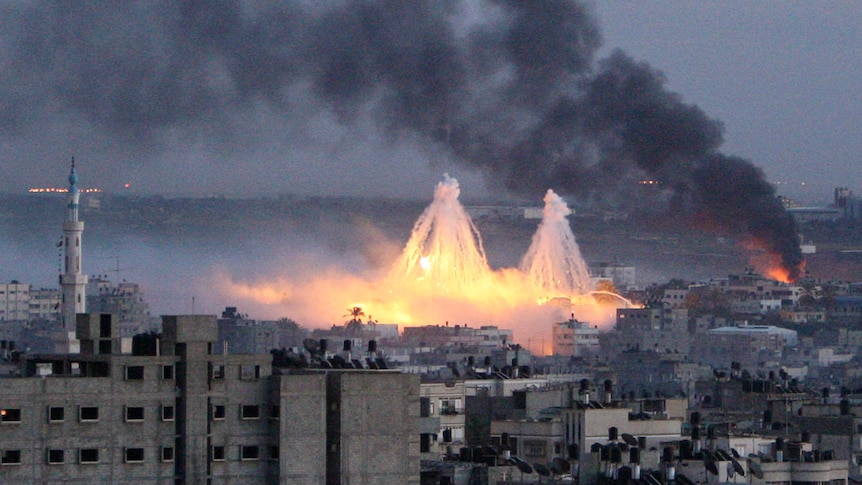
[(445, 249), (442, 276), (553, 263)]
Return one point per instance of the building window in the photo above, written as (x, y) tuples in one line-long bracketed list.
[(168, 372), (218, 453), (105, 326), (535, 449), (10, 415), (250, 453), (134, 455), (11, 457), (425, 442), (450, 406), (167, 454), (218, 372), (167, 413), (219, 411), (88, 414), (88, 455), (274, 411), (56, 457), (249, 411), (249, 372), (56, 414), (274, 452), (134, 373), (134, 413)]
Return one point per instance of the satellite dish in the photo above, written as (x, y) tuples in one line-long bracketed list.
[(710, 465), (562, 464), (738, 467), (541, 469), (755, 469), (556, 470), (734, 453), (629, 439), (522, 465)]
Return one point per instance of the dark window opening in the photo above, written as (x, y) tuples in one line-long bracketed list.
[(218, 453), (134, 413), (135, 373), (167, 413), (89, 413), (56, 457), (250, 411), (10, 415), (88, 455), (56, 414), (11, 457), (134, 455), (250, 453)]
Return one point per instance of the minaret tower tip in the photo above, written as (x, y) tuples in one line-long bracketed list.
[(72, 281)]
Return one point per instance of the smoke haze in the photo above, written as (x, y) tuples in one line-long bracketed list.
[(224, 91)]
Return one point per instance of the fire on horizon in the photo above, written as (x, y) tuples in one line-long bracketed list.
[(442, 275)]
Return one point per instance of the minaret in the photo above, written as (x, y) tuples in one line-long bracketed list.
[(73, 282)]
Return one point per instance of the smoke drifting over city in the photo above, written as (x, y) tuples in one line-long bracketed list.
[(510, 88)]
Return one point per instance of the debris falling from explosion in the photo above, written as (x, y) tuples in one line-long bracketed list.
[(442, 275), (553, 263), (445, 250)]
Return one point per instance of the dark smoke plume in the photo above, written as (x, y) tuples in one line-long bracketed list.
[(509, 86)]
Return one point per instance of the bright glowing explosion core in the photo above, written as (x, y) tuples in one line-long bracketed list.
[(442, 275)]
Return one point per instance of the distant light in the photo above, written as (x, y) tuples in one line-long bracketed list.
[(60, 190), (127, 185)]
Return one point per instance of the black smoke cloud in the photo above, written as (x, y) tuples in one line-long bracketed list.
[(510, 87)]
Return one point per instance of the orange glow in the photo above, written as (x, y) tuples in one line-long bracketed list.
[(769, 263), (441, 275)]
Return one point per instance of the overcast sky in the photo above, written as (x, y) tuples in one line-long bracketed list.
[(222, 101), (785, 78)]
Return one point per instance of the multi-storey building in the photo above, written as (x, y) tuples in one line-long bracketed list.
[(573, 338), (14, 301), (444, 401), (124, 299), (193, 414), (622, 276), (45, 304)]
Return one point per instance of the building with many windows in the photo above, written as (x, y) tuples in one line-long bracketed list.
[(193, 414), (573, 338), (14, 301)]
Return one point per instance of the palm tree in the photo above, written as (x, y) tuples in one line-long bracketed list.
[(355, 322)]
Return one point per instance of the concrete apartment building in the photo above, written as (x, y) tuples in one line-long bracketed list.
[(573, 338), (14, 301), (444, 402), (193, 414)]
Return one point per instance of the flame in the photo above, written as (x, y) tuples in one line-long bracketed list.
[(770, 263), (442, 275)]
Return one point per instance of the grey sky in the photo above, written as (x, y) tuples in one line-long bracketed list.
[(782, 76), (177, 99)]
